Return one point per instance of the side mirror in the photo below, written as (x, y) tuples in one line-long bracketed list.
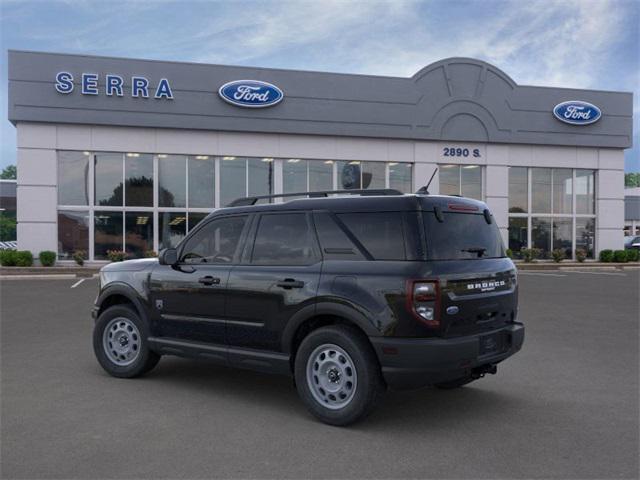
[(168, 256)]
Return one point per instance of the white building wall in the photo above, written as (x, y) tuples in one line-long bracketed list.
[(37, 145)]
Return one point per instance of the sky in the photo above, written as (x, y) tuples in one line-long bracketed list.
[(566, 43)]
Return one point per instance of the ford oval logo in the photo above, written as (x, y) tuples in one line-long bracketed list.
[(251, 93), (577, 112)]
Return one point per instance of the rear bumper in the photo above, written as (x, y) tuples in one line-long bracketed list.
[(412, 363)]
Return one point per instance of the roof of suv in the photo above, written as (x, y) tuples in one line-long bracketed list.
[(382, 203)]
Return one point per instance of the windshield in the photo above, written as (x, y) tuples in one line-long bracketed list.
[(461, 236)]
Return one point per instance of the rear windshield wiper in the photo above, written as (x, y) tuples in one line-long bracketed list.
[(479, 250)]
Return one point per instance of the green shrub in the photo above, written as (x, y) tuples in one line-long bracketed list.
[(527, 254), (24, 258), (150, 254), (8, 258), (80, 256), (633, 255), (117, 255), (606, 256), (620, 256), (509, 253), (557, 255), (47, 258), (581, 254)]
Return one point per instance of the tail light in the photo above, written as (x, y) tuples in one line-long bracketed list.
[(423, 301)]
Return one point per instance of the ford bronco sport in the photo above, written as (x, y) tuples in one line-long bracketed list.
[(350, 295)]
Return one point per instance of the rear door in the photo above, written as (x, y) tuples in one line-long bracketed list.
[(278, 276)]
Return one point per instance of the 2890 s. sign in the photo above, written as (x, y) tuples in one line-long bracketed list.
[(250, 93), (577, 112)]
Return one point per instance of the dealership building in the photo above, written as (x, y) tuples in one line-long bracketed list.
[(127, 154)]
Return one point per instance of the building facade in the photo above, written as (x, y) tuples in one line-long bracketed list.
[(124, 154)]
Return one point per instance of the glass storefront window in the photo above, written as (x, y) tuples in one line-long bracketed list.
[(108, 179), (355, 175), (585, 192), (563, 235), (195, 218), (233, 179), (401, 176), (517, 235), (73, 178), (449, 179), (320, 175), (373, 175), (172, 185), (562, 190), (585, 235), (172, 227), (202, 178), (107, 233), (471, 181), (138, 172), (73, 233), (138, 233), (518, 190), (541, 190), (465, 180), (260, 181), (541, 235), (294, 176)]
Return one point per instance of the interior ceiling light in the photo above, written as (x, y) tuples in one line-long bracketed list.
[(202, 157), (228, 158)]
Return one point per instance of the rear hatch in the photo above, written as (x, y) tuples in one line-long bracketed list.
[(477, 282)]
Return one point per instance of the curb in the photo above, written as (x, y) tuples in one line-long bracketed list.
[(572, 265)]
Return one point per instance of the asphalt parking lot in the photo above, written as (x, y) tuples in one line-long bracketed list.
[(565, 407)]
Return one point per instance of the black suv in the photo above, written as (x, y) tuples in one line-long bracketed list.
[(348, 294)]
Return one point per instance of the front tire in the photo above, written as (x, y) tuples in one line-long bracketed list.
[(337, 375), (120, 343)]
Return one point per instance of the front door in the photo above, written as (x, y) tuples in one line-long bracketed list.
[(278, 276), (188, 299)]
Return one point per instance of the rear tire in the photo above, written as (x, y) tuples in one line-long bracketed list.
[(120, 343), (460, 382), (337, 375)]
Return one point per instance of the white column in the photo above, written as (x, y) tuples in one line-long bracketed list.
[(610, 200), (37, 188)]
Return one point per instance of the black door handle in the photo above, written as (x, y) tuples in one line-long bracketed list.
[(209, 280), (288, 283)]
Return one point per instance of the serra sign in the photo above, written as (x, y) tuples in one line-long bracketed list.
[(113, 85)]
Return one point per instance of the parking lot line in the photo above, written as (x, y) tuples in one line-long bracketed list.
[(543, 274), (599, 273), (78, 283)]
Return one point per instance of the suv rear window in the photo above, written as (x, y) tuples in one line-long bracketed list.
[(380, 233), (462, 236)]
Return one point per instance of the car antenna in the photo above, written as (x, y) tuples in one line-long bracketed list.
[(425, 190)]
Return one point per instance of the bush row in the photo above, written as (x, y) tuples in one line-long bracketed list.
[(619, 256)]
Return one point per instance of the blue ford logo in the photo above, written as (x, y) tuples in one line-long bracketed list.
[(250, 93), (576, 112)]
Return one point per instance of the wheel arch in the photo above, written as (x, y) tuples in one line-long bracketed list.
[(120, 294), (321, 315)]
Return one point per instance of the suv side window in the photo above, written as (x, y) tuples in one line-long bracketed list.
[(380, 233), (216, 242), (284, 239)]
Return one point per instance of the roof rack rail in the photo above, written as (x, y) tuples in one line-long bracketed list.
[(247, 201)]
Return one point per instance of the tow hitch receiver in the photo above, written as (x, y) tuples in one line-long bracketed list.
[(481, 371)]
